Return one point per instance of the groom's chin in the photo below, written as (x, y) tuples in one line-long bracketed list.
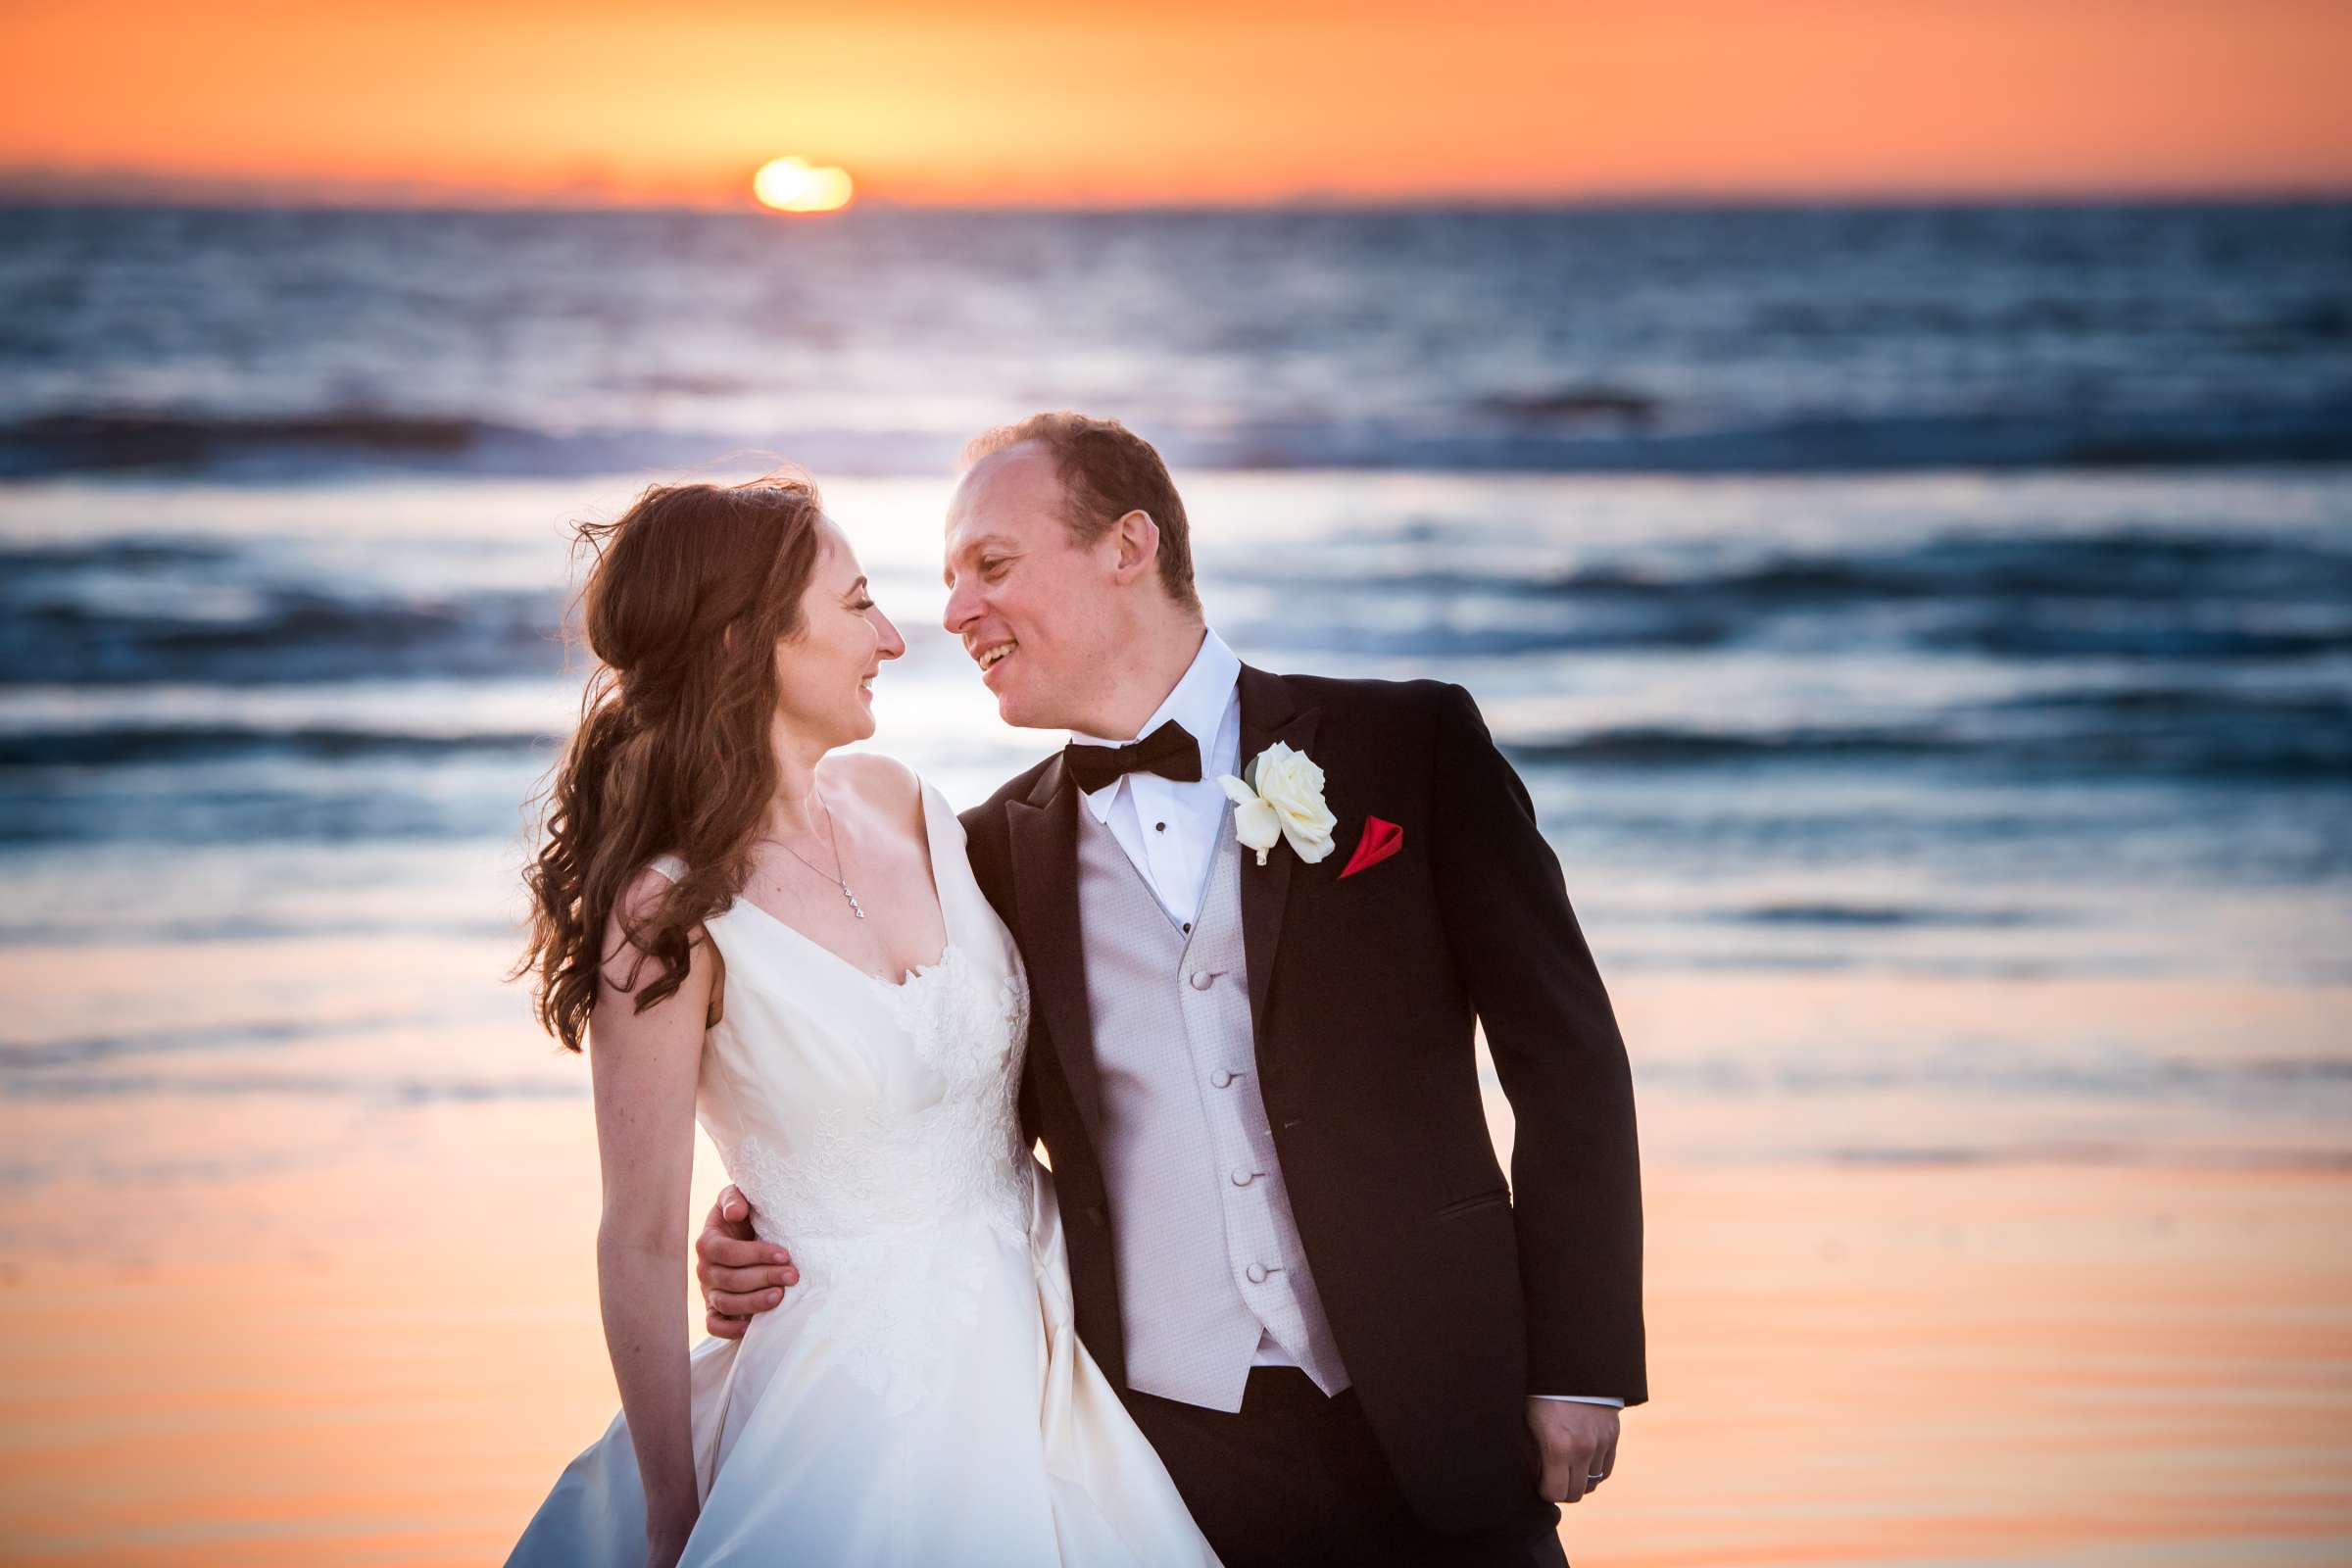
[(1021, 705), (1008, 702), (1023, 716)]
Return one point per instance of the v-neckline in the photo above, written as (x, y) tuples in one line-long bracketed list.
[(939, 894)]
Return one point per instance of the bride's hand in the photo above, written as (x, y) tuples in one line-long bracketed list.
[(741, 1276)]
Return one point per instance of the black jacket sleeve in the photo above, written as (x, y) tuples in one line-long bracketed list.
[(1575, 1167)]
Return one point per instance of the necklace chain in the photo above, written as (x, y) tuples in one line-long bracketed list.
[(833, 876)]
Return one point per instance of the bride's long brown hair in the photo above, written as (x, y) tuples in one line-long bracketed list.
[(687, 596)]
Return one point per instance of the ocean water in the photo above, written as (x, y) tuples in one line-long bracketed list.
[(1579, 340), (1926, 633)]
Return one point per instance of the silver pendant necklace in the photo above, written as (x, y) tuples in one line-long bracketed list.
[(833, 876)]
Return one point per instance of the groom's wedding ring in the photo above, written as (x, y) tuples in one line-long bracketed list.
[(1603, 1476)]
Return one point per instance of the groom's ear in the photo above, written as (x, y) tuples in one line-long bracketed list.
[(1137, 540)]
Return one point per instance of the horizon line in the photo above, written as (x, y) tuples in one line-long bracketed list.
[(18, 193)]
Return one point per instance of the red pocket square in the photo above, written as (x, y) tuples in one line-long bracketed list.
[(1380, 841)]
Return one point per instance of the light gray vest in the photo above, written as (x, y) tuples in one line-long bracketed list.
[(1208, 1254)]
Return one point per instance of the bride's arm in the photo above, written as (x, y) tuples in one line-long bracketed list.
[(645, 1065)]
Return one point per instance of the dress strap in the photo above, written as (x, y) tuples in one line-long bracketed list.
[(669, 865)]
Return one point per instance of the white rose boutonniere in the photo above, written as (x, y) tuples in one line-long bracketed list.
[(1283, 799)]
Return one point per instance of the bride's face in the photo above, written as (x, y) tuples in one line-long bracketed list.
[(824, 673)]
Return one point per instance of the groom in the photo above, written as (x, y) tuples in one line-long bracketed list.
[(1251, 1052)]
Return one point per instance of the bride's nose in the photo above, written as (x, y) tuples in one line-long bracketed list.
[(891, 645)]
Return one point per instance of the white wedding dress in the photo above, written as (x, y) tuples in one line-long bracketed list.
[(922, 1397)]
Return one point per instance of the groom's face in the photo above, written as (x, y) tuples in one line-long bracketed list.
[(1033, 609)]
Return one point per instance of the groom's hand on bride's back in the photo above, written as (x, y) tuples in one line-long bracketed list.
[(741, 1275)]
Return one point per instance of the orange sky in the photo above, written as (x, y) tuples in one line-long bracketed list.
[(1193, 100)]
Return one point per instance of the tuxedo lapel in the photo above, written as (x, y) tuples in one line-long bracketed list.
[(1044, 831), (1268, 715)]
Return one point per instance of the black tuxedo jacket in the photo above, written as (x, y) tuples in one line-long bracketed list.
[(1451, 1296)]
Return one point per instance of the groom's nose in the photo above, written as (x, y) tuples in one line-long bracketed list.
[(964, 604)]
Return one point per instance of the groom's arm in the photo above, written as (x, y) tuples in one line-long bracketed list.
[(1576, 1181)]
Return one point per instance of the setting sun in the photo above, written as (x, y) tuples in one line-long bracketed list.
[(791, 185)]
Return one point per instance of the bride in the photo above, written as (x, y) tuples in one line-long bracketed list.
[(786, 941)]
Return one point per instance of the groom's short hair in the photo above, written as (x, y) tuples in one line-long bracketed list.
[(1106, 471)]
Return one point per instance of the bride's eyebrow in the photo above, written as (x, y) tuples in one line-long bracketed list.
[(854, 589)]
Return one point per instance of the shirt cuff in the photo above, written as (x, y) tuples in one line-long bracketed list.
[(1580, 1398)]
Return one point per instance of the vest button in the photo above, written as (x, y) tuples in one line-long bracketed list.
[(1203, 979), (1255, 1273), (1220, 1079), (1243, 1177)]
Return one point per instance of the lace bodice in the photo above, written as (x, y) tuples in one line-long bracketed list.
[(874, 1127), (861, 1169)]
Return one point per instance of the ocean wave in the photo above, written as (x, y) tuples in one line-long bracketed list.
[(134, 611), (1610, 431), (1574, 429), (2177, 734), (137, 745), (1880, 916), (2117, 563), (26, 564), (2024, 634), (358, 442), (1669, 746), (2141, 729), (101, 441), (277, 635), (1990, 625), (359, 802), (2125, 592)]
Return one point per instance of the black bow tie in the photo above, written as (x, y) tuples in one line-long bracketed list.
[(1168, 751)]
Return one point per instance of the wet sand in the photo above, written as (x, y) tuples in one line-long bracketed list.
[(1929, 1365)]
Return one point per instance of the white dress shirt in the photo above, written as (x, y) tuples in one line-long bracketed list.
[(1169, 828)]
